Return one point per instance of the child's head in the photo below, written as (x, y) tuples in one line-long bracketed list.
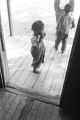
[(67, 8), (37, 27)]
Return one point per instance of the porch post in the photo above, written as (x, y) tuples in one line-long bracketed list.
[(70, 98), (4, 70), (9, 17)]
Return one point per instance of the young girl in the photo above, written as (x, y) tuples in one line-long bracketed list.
[(38, 48)]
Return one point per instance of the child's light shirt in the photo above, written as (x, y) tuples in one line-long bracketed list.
[(68, 19), (64, 23)]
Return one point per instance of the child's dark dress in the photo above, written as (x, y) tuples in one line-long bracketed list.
[(37, 51)]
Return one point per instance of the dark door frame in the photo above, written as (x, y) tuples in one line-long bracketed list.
[(2, 83), (4, 71), (70, 98)]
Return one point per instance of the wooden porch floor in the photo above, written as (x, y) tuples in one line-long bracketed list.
[(17, 107), (51, 78)]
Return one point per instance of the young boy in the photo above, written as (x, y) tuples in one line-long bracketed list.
[(65, 22)]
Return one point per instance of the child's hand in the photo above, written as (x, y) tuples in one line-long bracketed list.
[(43, 35), (73, 25)]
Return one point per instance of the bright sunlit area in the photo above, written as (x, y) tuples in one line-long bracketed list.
[(49, 81)]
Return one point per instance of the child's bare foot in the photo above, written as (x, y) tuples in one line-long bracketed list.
[(35, 71)]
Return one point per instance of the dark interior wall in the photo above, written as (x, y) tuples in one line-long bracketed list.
[(1, 78), (1, 75), (70, 98)]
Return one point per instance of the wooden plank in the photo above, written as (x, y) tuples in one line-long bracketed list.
[(31, 80), (16, 76), (49, 77), (54, 77), (2, 93), (11, 61), (34, 94), (58, 73), (20, 71), (13, 108), (19, 108), (41, 111), (3, 100), (7, 106), (48, 112), (34, 110), (16, 66), (13, 70), (21, 58), (26, 110), (22, 78), (49, 47), (55, 114), (16, 62)]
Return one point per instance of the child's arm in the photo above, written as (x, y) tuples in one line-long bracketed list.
[(73, 24), (34, 41), (42, 36)]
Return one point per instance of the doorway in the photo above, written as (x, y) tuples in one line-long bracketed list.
[(51, 78)]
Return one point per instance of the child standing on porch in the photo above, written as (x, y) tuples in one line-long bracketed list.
[(38, 48), (65, 22)]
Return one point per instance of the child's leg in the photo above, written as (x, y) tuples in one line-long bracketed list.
[(63, 45), (64, 42), (58, 40), (34, 69)]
